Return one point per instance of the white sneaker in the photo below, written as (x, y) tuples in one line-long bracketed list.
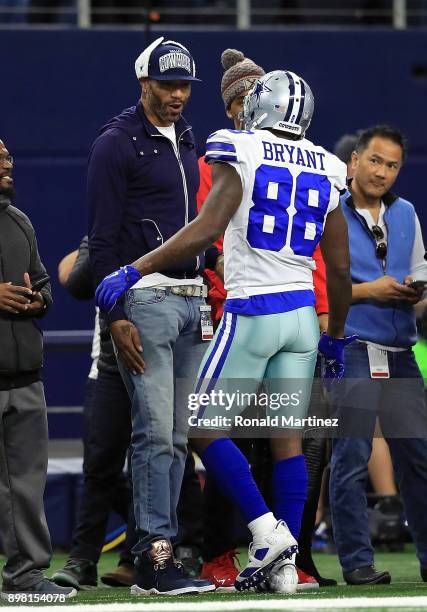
[(283, 577), (279, 544)]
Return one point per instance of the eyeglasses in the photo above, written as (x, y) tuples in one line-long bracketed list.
[(378, 234), (7, 158)]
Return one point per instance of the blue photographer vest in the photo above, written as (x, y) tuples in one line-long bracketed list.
[(388, 323)]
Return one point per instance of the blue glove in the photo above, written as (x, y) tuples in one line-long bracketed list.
[(332, 349), (114, 285)]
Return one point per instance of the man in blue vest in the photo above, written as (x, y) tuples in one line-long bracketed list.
[(387, 256)]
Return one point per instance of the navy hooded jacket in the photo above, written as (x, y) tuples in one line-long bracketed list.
[(140, 193)]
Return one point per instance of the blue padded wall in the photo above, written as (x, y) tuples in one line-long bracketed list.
[(59, 86)]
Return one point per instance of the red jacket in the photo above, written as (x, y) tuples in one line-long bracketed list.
[(217, 293)]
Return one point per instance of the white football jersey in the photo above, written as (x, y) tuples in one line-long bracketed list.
[(289, 187)]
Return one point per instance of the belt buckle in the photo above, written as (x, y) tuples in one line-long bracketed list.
[(189, 290), (179, 290)]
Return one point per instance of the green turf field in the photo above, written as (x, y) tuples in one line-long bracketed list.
[(406, 582)]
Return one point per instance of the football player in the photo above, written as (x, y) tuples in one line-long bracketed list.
[(275, 195)]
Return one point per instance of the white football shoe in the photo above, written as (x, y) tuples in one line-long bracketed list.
[(274, 547)]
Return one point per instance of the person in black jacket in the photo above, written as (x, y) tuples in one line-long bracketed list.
[(107, 425), (23, 420), (106, 440)]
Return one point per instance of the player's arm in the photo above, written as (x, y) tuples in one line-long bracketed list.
[(218, 208), (335, 251)]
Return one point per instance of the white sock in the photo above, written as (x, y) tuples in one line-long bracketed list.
[(262, 525)]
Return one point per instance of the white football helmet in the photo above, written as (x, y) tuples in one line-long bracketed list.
[(281, 100)]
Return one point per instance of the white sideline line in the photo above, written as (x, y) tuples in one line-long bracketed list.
[(146, 605)]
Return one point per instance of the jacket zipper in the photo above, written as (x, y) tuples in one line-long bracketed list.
[(396, 332), (184, 181), (181, 167), (12, 327)]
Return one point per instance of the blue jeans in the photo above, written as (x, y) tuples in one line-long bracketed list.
[(359, 402), (169, 327)]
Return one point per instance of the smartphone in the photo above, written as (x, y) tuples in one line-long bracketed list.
[(40, 283), (418, 285)]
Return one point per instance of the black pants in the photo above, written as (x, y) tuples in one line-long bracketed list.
[(107, 428), (189, 511), (23, 467)]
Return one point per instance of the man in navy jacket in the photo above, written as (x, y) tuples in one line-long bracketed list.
[(142, 184), (386, 256)]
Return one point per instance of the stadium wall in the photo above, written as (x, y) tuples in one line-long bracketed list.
[(59, 86)]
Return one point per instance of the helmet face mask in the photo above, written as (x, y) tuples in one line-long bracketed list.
[(280, 100)]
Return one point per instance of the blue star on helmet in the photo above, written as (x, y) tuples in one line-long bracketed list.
[(259, 89)]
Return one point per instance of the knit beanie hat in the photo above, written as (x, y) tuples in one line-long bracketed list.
[(239, 76)]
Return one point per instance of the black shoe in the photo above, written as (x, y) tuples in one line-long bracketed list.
[(42, 587), (157, 574), (366, 575), (423, 571), (78, 573)]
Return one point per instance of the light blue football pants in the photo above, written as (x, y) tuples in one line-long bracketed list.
[(278, 349)]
